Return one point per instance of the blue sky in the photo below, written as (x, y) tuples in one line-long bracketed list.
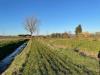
[(54, 15)]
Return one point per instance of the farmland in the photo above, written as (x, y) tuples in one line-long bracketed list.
[(90, 47), (54, 57), (50, 37)]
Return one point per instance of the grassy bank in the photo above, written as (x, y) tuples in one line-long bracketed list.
[(19, 61)]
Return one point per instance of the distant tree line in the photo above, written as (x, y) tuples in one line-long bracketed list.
[(24, 35), (78, 31), (59, 35)]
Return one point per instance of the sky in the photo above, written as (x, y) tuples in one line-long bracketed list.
[(53, 15)]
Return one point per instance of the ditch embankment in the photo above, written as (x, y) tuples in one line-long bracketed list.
[(9, 52)]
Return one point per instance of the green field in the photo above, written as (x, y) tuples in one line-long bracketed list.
[(90, 47), (55, 57)]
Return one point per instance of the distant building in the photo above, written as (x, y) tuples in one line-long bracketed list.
[(97, 34), (85, 34)]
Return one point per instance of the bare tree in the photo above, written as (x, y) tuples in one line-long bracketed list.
[(31, 24)]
